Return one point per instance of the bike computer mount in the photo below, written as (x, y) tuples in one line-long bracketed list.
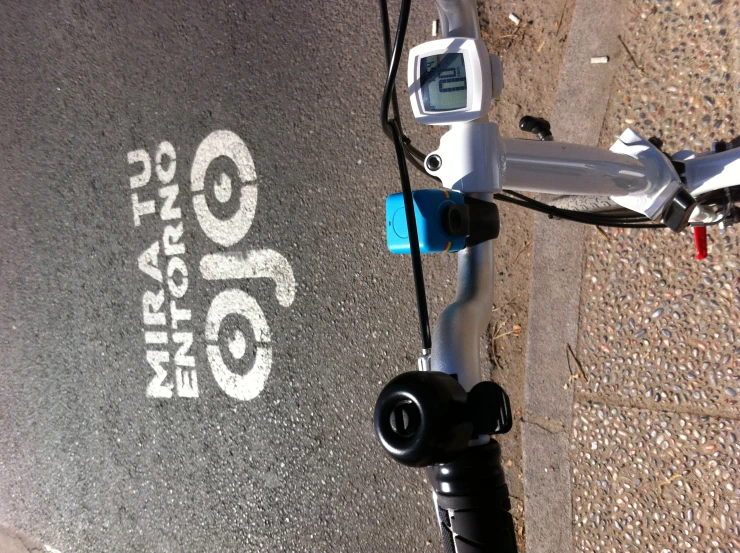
[(452, 80)]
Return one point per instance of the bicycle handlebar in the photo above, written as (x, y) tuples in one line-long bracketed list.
[(470, 492), (444, 420)]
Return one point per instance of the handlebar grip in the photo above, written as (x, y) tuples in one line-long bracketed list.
[(472, 502)]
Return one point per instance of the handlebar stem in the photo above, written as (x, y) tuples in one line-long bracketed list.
[(459, 18)]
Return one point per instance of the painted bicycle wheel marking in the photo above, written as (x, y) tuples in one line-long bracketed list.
[(166, 312)]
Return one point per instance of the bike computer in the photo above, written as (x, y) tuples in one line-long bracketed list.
[(450, 81)]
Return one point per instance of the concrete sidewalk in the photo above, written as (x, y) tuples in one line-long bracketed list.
[(639, 451)]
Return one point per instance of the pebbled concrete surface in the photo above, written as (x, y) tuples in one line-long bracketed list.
[(647, 480), (654, 445)]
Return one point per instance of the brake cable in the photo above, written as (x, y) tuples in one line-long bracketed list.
[(392, 127)]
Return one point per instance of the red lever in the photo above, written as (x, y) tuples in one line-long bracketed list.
[(700, 238)]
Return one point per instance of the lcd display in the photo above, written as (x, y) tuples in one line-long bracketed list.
[(443, 83)]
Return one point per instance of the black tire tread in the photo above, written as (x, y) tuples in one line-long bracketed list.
[(488, 529)]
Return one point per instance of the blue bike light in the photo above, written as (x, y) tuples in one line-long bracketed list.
[(431, 208)]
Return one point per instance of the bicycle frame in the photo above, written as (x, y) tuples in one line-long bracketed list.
[(485, 164)]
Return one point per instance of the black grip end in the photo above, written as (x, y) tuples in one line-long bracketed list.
[(473, 505)]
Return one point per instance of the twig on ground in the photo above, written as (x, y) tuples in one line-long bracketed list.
[(569, 351), (670, 480), (511, 36), (516, 330), (508, 303), (637, 65), (494, 337), (728, 300), (514, 35), (529, 243), (603, 234), (571, 378), (562, 15), (497, 330)]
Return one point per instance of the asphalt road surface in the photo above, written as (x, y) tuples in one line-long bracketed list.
[(197, 309)]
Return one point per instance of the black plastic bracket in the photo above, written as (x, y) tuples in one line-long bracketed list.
[(490, 410), (476, 219), (536, 125), (456, 220), (485, 223), (677, 213)]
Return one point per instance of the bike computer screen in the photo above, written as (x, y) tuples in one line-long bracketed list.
[(450, 81), (444, 86)]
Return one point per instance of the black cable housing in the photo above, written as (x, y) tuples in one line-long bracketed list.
[(393, 126), (412, 154)]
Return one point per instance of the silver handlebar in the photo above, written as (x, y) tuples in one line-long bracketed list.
[(458, 18), (457, 333)]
